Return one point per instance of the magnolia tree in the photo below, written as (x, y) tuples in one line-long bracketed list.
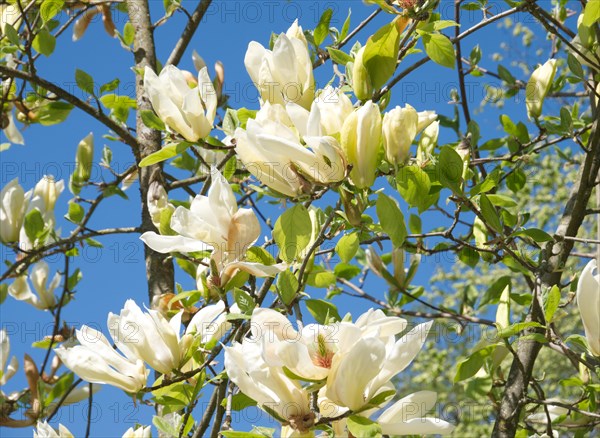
[(319, 195)]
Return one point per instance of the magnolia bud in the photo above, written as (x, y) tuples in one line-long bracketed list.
[(399, 130), (361, 141), (588, 301), (538, 87), (12, 211), (428, 142), (157, 202), (361, 81), (374, 261), (48, 190), (426, 118)]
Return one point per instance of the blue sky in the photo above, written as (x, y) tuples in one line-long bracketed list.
[(116, 272)]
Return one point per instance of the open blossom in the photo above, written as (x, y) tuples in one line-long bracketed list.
[(96, 361), (44, 430), (284, 74), (588, 301), (40, 274), (12, 211), (6, 372), (267, 385), (287, 149), (187, 111), (139, 432), (311, 352), (214, 221)]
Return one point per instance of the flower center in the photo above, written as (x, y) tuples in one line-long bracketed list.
[(323, 355)]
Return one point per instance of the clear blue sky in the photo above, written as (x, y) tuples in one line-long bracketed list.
[(116, 272)]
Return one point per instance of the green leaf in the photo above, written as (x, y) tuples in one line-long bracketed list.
[(591, 14), (536, 234), (54, 113), (84, 81), (513, 329), (381, 52), (151, 120), (119, 105), (44, 42), (75, 213), (492, 295), (439, 48), (287, 284), (322, 29), (292, 232), (12, 34), (128, 34), (50, 8), (34, 224), (363, 427), (575, 66), (338, 56), (552, 302), (239, 401), (450, 169), (468, 367), (489, 213), (469, 256), (345, 26), (414, 185), (516, 180), (164, 154), (391, 219), (347, 246), (244, 301), (236, 434), (110, 86), (323, 311)]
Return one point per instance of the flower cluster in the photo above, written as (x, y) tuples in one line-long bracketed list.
[(347, 366)]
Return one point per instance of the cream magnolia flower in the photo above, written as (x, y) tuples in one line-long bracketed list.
[(400, 128), (361, 142), (588, 301), (6, 372), (11, 131), (538, 86), (427, 142), (12, 211), (405, 417), (149, 337), (9, 14), (139, 432), (187, 111), (40, 274), (284, 74), (370, 365), (334, 107), (214, 221), (274, 147), (96, 361), (210, 323), (44, 430), (311, 352), (268, 386), (157, 201)]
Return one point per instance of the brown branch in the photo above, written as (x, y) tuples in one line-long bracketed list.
[(125, 136), (188, 32)]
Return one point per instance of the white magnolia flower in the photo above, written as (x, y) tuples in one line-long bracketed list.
[(406, 417), (361, 142), (157, 201), (40, 274), (588, 301), (287, 149), (44, 430), (96, 361), (214, 221), (400, 127), (538, 86), (370, 365), (11, 131), (149, 337), (310, 353), (284, 74), (42, 198), (268, 386), (12, 211), (334, 107), (6, 372), (187, 111), (139, 432)]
